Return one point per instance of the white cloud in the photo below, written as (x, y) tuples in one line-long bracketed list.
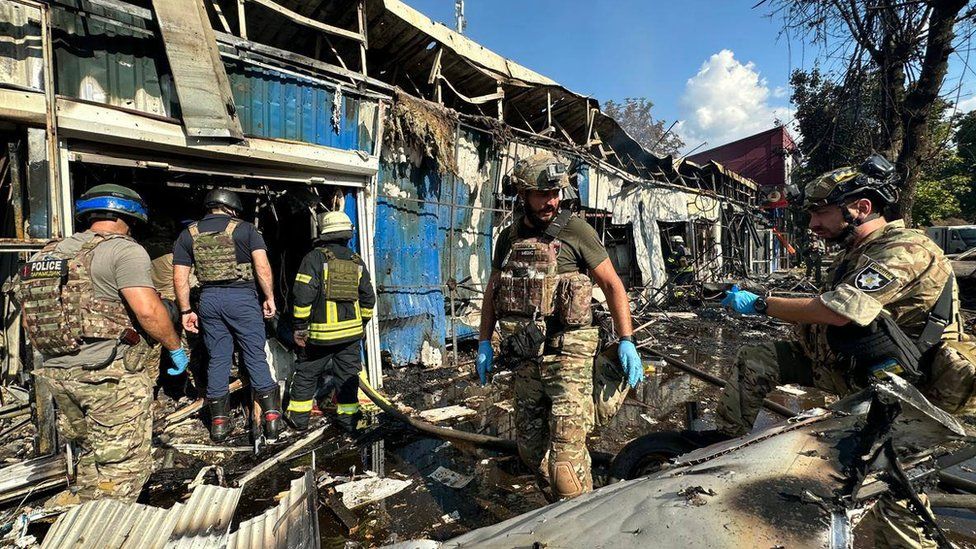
[(966, 105), (727, 100)]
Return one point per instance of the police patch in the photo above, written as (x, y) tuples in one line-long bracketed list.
[(872, 278)]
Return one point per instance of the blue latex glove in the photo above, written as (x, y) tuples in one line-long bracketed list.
[(631, 363), (180, 361), (740, 301), (485, 357)]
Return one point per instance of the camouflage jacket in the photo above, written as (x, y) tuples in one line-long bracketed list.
[(896, 269)]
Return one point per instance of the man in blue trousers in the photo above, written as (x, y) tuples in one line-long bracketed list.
[(228, 255)]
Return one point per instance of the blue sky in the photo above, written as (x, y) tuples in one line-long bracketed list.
[(612, 49)]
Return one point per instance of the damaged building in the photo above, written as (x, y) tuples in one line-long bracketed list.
[(309, 106)]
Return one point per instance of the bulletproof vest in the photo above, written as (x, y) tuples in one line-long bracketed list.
[(59, 303), (530, 286), (341, 282), (215, 255)]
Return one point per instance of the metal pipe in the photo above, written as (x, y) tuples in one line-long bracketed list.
[(956, 501)]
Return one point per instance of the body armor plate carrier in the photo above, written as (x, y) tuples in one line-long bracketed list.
[(341, 277), (530, 286), (215, 255), (59, 301)]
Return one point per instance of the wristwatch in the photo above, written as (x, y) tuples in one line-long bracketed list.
[(186, 312), (760, 305)]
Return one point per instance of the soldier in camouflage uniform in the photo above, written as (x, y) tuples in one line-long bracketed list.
[(883, 269), (91, 310), (539, 292)]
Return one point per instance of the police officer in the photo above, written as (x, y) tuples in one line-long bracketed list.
[(227, 254), (333, 302), (885, 275), (540, 291), (92, 312)]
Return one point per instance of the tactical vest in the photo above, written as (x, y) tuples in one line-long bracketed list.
[(336, 316), (59, 303), (530, 286), (215, 255)]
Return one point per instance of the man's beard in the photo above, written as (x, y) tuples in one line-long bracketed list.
[(537, 221)]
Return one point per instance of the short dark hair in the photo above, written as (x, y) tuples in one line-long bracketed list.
[(878, 205)]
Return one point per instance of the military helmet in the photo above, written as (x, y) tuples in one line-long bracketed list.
[(222, 197), (111, 201), (541, 172), (875, 177), (334, 223)]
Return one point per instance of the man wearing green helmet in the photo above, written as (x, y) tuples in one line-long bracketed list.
[(540, 292), (92, 311), (334, 300), (890, 305)]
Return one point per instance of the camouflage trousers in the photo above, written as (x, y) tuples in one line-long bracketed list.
[(106, 413), (758, 370), (554, 412)]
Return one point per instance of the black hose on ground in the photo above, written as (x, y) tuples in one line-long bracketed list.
[(483, 441)]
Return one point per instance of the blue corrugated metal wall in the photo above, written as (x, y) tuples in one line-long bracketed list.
[(280, 106), (411, 307), (413, 242)]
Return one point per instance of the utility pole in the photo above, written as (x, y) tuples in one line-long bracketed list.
[(460, 23)]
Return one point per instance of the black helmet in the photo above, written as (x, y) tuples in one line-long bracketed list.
[(111, 201), (223, 197)]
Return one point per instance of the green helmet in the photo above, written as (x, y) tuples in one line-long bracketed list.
[(541, 172), (111, 201), (875, 177)]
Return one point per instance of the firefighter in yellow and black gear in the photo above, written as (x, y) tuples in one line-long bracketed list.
[(334, 300)]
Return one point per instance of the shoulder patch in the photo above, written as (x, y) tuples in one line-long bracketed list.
[(873, 278)]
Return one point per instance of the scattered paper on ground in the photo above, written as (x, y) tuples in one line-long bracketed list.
[(450, 478)]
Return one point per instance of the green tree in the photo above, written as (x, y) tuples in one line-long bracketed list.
[(634, 116)]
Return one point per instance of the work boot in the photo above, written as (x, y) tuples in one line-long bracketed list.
[(270, 402), (221, 423), (349, 422), (297, 420)]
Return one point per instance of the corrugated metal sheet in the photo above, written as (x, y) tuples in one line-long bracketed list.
[(21, 47), (413, 237), (112, 523), (276, 105), (293, 523), (203, 521), (206, 518), (118, 63)]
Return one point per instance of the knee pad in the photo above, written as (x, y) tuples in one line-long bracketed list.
[(564, 480)]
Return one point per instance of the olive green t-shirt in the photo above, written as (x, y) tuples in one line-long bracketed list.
[(581, 250)]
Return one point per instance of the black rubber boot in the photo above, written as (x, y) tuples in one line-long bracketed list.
[(349, 422), (270, 402), (298, 420), (221, 422)]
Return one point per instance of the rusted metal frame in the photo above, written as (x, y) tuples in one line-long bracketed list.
[(479, 100), (363, 43), (335, 52), (590, 120), (522, 116), (220, 16), (241, 20), (107, 20)]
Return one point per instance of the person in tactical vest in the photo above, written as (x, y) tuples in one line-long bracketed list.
[(890, 305), (334, 300), (91, 310), (227, 255), (539, 293)]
